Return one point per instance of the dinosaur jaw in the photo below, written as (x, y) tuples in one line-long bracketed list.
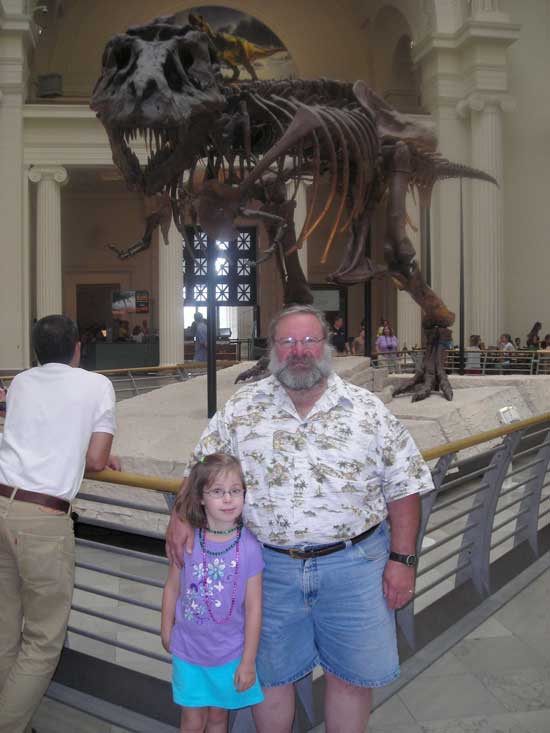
[(167, 156)]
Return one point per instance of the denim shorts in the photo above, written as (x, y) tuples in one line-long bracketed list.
[(330, 611)]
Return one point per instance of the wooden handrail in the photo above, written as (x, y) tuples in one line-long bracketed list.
[(457, 445), (154, 483), (189, 365)]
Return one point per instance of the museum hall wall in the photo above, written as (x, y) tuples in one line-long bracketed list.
[(527, 171), (91, 220), (322, 37), (350, 40)]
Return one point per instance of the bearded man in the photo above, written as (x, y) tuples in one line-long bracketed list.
[(333, 483)]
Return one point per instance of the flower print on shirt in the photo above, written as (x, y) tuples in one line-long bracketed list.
[(211, 586), (216, 569), (194, 608), (198, 571)]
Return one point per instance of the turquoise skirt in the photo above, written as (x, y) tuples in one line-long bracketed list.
[(194, 686)]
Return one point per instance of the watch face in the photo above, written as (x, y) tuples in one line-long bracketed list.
[(411, 560)]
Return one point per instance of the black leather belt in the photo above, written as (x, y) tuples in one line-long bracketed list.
[(35, 497), (298, 554)]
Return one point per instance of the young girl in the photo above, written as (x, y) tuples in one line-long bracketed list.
[(212, 607)]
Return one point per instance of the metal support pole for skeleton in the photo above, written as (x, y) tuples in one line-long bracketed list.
[(212, 327), (461, 306)]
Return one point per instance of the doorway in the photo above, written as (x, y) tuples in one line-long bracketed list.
[(94, 305)]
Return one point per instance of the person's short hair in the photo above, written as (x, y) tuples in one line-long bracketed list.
[(54, 339), (204, 472), (198, 316), (296, 310)]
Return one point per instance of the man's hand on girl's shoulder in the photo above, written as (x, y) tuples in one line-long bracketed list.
[(180, 537)]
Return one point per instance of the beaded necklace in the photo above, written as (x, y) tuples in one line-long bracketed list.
[(221, 531), (236, 543)]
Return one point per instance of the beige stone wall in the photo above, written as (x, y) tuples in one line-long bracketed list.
[(90, 221), (527, 171), (323, 38), (347, 40)]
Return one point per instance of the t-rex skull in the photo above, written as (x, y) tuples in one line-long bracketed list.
[(161, 81)]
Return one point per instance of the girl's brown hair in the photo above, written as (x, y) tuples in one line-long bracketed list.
[(188, 504)]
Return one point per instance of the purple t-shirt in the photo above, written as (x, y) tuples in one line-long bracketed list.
[(195, 637), (386, 343)]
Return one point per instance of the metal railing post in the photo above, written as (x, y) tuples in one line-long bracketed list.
[(530, 504), (405, 616), (477, 533), (134, 385), (170, 500)]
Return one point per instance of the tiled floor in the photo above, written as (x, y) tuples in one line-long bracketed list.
[(495, 680)]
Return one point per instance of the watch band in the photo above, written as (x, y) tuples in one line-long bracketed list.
[(409, 560)]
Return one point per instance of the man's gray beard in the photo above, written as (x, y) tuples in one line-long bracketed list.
[(305, 378)]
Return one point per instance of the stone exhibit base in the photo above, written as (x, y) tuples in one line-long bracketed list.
[(157, 431)]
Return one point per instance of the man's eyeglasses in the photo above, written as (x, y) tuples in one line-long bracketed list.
[(290, 342), (220, 493)]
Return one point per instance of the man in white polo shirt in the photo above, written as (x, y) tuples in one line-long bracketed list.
[(60, 421)]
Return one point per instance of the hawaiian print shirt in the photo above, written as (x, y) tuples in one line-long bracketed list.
[(318, 479)]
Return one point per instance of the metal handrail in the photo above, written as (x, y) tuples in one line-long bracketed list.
[(185, 365)]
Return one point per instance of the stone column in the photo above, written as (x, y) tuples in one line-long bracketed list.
[(17, 39), (409, 315), (170, 299), (49, 284), (487, 251), (465, 80), (442, 88)]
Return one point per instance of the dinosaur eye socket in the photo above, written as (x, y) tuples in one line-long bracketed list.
[(122, 54), (173, 77), (186, 58)]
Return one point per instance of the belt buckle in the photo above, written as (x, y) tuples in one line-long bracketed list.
[(295, 554)]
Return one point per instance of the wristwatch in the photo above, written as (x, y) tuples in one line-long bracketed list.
[(410, 560)]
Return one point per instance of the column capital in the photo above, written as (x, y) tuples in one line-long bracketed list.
[(478, 101), (55, 173)]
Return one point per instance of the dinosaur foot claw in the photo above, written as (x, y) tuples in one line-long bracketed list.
[(430, 377)]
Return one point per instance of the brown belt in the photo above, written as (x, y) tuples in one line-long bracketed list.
[(34, 497), (298, 554)]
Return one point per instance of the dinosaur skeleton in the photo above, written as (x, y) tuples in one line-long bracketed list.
[(218, 152)]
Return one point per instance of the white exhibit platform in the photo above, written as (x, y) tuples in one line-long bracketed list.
[(157, 431)]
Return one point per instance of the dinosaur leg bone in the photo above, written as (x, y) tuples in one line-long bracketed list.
[(356, 267), (400, 256)]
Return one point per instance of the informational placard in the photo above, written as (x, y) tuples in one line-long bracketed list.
[(327, 299), (130, 301)]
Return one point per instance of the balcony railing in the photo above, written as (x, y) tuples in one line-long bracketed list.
[(485, 509)]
